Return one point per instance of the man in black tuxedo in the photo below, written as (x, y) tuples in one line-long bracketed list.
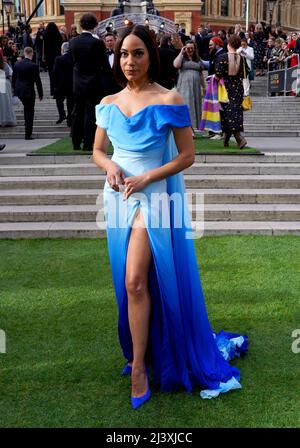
[(25, 75), (110, 40), (91, 80), (63, 83), (202, 39)]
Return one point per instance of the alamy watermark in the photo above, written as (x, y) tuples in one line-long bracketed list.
[(162, 211), (296, 342), (2, 341)]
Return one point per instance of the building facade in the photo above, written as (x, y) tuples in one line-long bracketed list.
[(189, 13)]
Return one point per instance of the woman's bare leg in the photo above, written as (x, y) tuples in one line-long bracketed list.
[(139, 302)]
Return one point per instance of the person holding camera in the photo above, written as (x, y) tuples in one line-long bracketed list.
[(191, 83), (248, 53)]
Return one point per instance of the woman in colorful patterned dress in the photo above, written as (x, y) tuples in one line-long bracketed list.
[(232, 67)]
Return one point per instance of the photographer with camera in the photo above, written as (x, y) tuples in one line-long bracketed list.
[(191, 83), (248, 53)]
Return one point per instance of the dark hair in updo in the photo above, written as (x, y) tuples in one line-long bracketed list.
[(145, 35)]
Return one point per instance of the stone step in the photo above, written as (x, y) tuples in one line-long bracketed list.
[(61, 134), (39, 159), (90, 229), (36, 129), (272, 126), (268, 133), (260, 108), (192, 181), (89, 213), (271, 114), (46, 121), (270, 119), (37, 135), (38, 106), (265, 124), (90, 196), (279, 99), (87, 169), (284, 101)]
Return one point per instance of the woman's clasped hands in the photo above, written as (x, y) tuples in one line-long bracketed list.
[(129, 185)]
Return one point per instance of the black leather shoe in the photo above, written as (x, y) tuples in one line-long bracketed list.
[(29, 138), (60, 120), (2, 147)]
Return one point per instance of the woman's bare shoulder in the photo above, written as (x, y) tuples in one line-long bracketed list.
[(172, 97), (110, 98)]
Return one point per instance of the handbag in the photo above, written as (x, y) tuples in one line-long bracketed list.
[(222, 92), (247, 103), (15, 101)]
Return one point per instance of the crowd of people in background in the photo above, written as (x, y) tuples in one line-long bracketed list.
[(80, 67)]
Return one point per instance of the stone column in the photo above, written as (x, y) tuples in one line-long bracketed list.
[(214, 9), (297, 15)]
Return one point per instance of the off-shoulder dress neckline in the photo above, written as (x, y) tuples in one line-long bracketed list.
[(143, 109)]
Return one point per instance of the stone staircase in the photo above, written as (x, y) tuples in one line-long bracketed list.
[(271, 116), (56, 196), (46, 115)]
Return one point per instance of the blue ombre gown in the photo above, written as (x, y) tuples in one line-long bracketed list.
[(183, 350)]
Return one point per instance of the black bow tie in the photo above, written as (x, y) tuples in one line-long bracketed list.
[(109, 52)]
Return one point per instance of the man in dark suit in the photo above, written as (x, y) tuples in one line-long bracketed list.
[(25, 75), (202, 39), (167, 75), (91, 79), (184, 38), (215, 51), (63, 83), (110, 40)]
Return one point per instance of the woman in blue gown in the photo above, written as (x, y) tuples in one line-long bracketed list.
[(163, 322)]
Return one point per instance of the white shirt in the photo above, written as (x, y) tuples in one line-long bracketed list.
[(93, 34), (111, 59), (248, 53)]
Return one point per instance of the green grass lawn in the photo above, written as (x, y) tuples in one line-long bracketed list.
[(203, 146), (63, 361)]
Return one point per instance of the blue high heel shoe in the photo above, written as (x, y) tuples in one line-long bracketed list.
[(136, 402), (127, 370)]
